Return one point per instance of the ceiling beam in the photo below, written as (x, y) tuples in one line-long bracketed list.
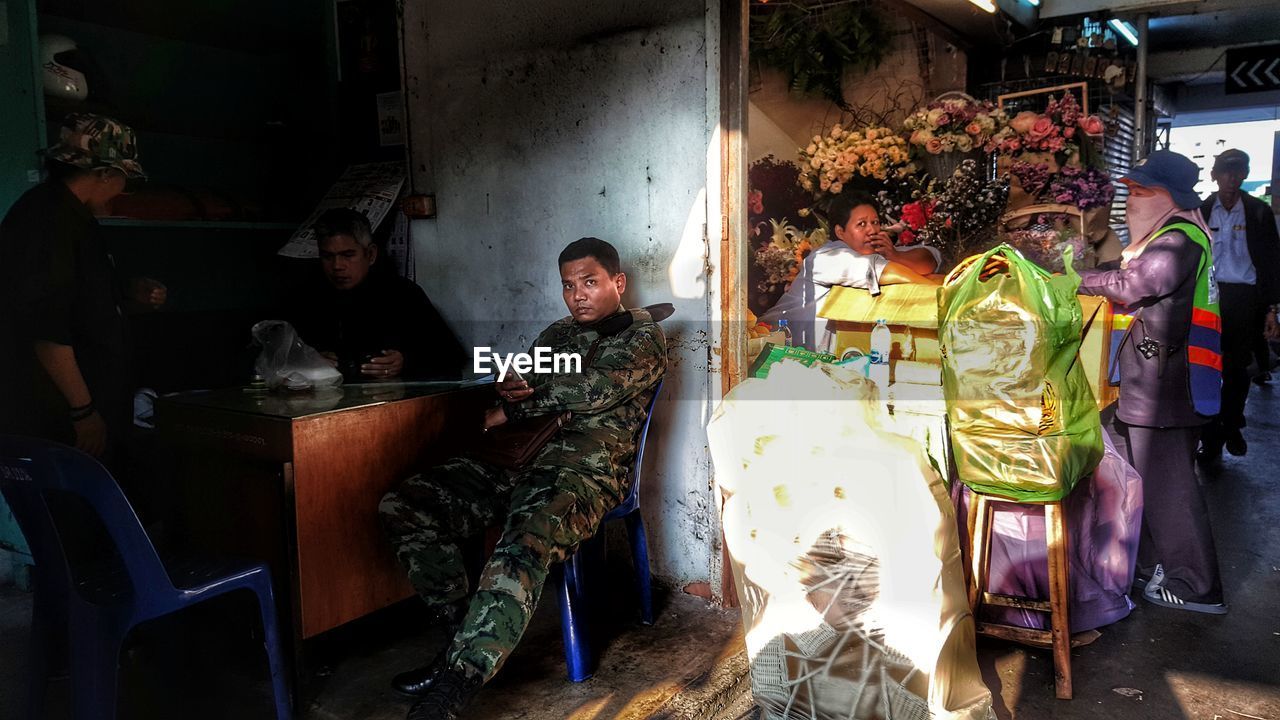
[(1062, 8)]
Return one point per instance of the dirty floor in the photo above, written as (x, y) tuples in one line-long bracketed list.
[(1157, 664)]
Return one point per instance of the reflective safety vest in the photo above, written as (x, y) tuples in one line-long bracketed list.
[(1204, 343)]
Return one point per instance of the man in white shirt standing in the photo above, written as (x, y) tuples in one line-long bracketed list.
[(1246, 259)]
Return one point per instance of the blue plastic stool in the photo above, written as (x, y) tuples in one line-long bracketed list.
[(570, 577), (99, 605)]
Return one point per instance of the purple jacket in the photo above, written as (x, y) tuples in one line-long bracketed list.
[(1162, 282)]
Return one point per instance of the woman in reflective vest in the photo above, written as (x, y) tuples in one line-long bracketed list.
[(1171, 338)]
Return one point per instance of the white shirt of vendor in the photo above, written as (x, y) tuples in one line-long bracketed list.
[(832, 264)]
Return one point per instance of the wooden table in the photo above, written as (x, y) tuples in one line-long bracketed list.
[(295, 480)]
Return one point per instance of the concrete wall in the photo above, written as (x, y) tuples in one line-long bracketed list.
[(538, 123)]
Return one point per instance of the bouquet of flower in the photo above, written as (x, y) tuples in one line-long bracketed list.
[(1046, 239), (1085, 188), (959, 124), (830, 163), (915, 217), (786, 248), (774, 188), (967, 207), (1032, 177), (1056, 130)]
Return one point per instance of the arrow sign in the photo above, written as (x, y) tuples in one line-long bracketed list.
[(1252, 69)]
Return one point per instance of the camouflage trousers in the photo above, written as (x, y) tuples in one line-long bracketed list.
[(546, 511)]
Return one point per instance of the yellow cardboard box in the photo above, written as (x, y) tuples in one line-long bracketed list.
[(853, 312)]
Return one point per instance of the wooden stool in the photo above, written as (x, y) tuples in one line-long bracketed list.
[(1059, 636)]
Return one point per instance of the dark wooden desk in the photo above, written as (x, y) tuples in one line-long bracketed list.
[(295, 480)]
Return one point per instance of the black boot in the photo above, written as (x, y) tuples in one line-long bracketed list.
[(448, 696), (416, 682)]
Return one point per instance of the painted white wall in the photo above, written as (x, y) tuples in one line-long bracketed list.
[(535, 124)]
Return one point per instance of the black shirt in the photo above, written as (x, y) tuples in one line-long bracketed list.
[(384, 312), (57, 283)]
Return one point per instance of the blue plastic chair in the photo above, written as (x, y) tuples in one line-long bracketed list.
[(98, 606), (571, 582)]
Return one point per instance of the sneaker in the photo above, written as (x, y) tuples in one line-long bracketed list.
[(1160, 595), (448, 696), (1142, 584)]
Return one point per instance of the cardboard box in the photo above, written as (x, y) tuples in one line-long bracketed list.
[(852, 313), (1095, 349)]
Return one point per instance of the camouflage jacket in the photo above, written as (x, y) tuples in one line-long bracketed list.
[(608, 399)]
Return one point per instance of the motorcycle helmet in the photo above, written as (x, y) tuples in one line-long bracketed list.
[(62, 68)]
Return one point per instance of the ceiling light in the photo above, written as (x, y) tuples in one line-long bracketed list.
[(1124, 30), (988, 5)]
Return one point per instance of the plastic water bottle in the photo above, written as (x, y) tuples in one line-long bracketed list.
[(881, 344), (785, 328)]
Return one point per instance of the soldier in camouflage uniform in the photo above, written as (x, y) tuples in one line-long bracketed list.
[(547, 507)]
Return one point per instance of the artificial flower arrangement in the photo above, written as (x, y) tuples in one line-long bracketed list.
[(959, 124), (786, 249), (1057, 130), (843, 158), (778, 245), (1085, 188), (953, 215), (1045, 239)]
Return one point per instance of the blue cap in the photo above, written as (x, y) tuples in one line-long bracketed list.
[(1173, 172)]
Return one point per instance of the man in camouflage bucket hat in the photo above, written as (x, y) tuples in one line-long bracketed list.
[(548, 507), (89, 141), (64, 359)]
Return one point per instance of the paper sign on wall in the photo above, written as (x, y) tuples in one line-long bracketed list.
[(391, 119), (370, 188)]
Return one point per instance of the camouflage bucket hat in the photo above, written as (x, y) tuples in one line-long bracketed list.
[(94, 141)]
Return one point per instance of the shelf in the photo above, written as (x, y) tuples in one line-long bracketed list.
[(195, 224), (57, 109), (213, 31)]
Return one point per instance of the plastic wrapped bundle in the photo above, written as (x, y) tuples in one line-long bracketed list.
[(843, 545), (1105, 517), (1024, 423)]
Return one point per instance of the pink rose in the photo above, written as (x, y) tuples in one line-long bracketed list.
[(934, 146), (1015, 145), (1042, 128), (943, 119), (1092, 125), (1069, 132), (1022, 122), (973, 129), (755, 202)]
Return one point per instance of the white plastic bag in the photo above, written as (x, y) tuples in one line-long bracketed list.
[(844, 552), (287, 362)]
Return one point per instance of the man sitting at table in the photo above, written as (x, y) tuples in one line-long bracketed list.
[(371, 323), (547, 507)]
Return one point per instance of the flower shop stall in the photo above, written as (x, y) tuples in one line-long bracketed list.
[(973, 179)]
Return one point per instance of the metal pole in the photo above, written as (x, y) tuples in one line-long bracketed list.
[(1140, 122)]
